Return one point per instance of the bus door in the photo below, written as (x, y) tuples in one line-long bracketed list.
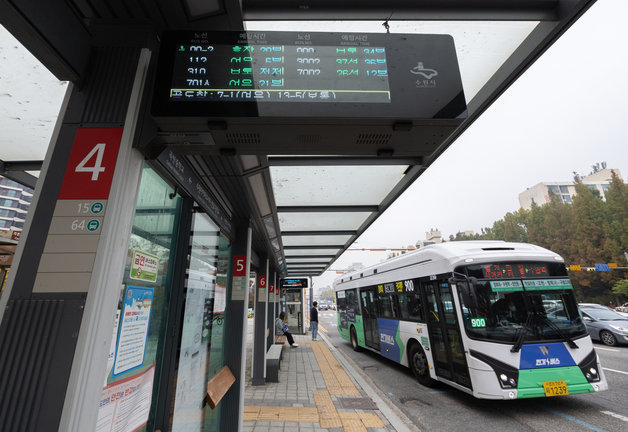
[(368, 303), (445, 336)]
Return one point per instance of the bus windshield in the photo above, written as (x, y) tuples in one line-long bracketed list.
[(502, 309)]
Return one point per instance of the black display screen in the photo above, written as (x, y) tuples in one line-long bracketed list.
[(294, 283), (308, 75), (279, 73), (514, 271)]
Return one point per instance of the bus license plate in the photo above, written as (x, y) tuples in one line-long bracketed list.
[(555, 388)]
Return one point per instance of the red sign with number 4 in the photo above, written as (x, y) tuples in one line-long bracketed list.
[(92, 161)]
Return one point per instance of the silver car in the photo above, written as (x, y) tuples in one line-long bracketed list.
[(605, 325)]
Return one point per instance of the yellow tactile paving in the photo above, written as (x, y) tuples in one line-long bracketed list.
[(323, 329), (371, 420), (326, 410), (268, 413), (308, 414), (352, 424), (251, 413), (289, 414), (325, 413), (336, 379)]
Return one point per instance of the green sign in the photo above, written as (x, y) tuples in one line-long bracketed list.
[(97, 207), (547, 284), (144, 266), (93, 225), (478, 322), (509, 285)]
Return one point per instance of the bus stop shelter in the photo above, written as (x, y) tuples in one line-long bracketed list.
[(142, 213)]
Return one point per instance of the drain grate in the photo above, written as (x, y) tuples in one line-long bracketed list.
[(362, 403)]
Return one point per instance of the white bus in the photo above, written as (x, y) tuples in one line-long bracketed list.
[(494, 319)]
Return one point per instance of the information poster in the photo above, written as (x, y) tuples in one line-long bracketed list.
[(125, 405), (144, 266), (133, 329)]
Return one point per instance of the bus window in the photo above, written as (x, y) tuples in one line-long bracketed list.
[(351, 298), (432, 305), (448, 305), (387, 306), (410, 307), (341, 302)]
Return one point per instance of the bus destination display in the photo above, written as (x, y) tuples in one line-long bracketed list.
[(514, 271), (270, 72)]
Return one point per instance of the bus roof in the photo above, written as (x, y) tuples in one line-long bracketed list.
[(457, 252)]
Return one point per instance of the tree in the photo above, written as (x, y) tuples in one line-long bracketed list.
[(621, 287)]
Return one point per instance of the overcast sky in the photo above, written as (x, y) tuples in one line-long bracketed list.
[(567, 112)]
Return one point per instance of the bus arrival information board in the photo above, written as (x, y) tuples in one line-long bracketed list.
[(280, 73), (307, 75)]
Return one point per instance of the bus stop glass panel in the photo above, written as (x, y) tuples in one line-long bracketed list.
[(294, 310)]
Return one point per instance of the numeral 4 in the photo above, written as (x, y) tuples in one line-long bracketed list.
[(99, 151)]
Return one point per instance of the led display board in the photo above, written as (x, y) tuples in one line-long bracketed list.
[(294, 283), (307, 92), (291, 74)]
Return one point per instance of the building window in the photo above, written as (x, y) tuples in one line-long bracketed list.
[(553, 189), (567, 198), (564, 189)]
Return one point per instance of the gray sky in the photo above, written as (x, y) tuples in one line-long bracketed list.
[(567, 112)]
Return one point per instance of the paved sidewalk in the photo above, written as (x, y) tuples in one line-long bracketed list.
[(314, 393)]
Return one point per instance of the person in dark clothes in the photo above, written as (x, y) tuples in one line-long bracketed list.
[(314, 320), (281, 328)]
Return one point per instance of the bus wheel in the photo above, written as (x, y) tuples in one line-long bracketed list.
[(418, 364), (354, 340)]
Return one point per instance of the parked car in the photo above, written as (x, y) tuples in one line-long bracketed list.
[(622, 308), (332, 306), (605, 325), (323, 306), (599, 306), (251, 313)]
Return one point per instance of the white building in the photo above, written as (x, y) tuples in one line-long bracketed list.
[(432, 237), (566, 190), (15, 200)]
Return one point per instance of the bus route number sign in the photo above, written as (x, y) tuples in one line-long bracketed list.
[(478, 322)]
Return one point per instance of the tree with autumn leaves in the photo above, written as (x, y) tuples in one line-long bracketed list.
[(587, 232)]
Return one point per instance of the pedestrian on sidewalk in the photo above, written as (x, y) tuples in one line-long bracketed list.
[(314, 320), (281, 328)]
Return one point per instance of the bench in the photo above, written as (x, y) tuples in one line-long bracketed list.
[(273, 360), (281, 339)]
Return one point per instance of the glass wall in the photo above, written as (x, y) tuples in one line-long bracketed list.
[(139, 328), (201, 351)]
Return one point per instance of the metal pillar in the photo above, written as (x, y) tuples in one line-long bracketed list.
[(259, 334), (232, 404), (57, 313), (270, 320)]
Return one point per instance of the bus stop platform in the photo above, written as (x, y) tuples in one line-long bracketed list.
[(317, 391)]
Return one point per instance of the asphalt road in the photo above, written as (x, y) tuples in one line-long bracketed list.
[(443, 408)]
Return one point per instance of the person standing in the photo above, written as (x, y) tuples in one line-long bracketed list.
[(281, 328), (314, 320)]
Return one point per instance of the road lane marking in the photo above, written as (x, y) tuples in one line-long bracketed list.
[(617, 416), (607, 349), (575, 420), (615, 370)]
